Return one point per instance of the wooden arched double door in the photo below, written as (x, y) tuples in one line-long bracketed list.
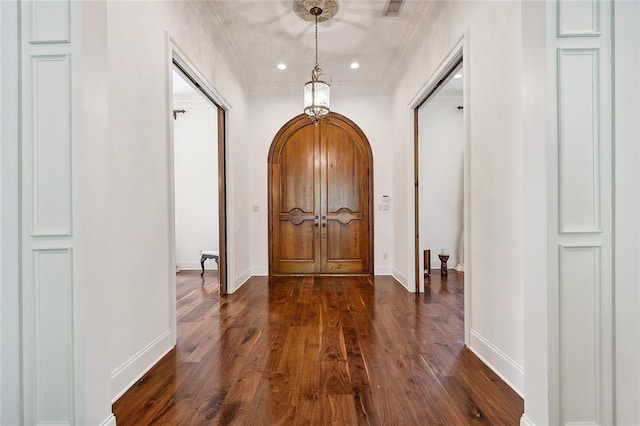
[(320, 198)]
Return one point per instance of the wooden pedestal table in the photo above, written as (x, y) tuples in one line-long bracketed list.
[(443, 264)]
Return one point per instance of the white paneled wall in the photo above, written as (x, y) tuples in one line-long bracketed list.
[(10, 358), (581, 228), (579, 140), (49, 268), (50, 137), (50, 21), (627, 211)]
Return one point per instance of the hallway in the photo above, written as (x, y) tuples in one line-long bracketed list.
[(319, 351)]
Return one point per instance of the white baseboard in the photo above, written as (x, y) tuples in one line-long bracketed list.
[(383, 270), (259, 271), (400, 278), (125, 376), (242, 278), (110, 421), (508, 370), (525, 421), (209, 265)]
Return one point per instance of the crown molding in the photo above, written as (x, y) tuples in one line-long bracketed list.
[(228, 47), (237, 61), (411, 39)]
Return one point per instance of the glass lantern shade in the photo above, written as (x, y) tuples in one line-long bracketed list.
[(316, 99)]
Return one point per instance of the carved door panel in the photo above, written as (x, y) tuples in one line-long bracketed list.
[(319, 204), (296, 201), (344, 207)]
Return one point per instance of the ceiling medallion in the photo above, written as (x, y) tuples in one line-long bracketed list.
[(302, 8)]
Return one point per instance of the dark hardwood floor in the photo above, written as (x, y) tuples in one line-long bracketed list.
[(319, 351)]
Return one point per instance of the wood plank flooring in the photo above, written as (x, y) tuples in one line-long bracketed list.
[(320, 351)]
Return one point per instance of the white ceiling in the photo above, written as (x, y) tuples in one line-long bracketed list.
[(259, 34)]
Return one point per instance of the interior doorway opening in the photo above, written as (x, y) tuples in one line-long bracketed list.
[(197, 157), (441, 185), (441, 177), (195, 160)]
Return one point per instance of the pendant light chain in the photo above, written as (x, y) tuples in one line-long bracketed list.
[(316, 16), (316, 90)]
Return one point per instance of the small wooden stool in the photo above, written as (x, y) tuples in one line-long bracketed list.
[(209, 254)]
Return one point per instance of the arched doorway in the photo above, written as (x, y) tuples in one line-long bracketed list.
[(320, 198)]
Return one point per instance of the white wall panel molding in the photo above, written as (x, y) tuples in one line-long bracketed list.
[(579, 140), (48, 318), (578, 18), (52, 255), (580, 323), (50, 131), (580, 200), (50, 21)]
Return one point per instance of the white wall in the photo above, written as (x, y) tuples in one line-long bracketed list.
[(9, 224), (139, 220), (493, 103), (94, 390), (370, 113), (627, 212), (535, 271), (195, 156), (441, 151)]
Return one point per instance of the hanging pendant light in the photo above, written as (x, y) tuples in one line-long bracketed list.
[(317, 98)]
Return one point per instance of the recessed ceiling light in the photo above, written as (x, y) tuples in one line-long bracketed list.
[(355, 65), (282, 66), (458, 75)]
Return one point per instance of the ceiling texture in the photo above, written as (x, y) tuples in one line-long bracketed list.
[(255, 36)]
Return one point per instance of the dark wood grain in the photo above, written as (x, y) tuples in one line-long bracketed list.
[(222, 200), (416, 198), (320, 198), (320, 351)]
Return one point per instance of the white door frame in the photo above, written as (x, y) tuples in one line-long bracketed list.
[(416, 280), (174, 53)]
